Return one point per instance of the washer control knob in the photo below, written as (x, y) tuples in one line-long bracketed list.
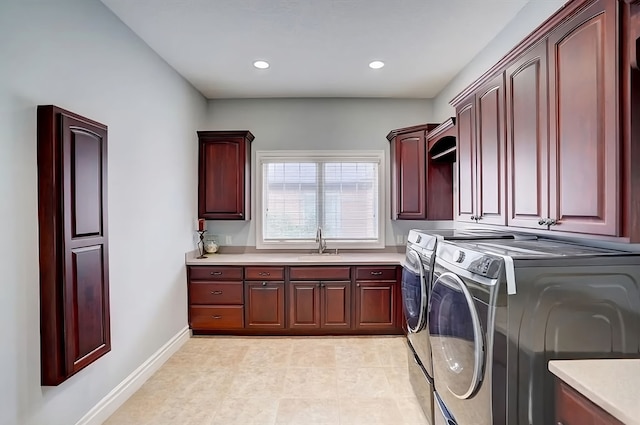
[(458, 256)]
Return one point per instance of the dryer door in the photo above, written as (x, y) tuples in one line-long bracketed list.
[(456, 337), (414, 291)]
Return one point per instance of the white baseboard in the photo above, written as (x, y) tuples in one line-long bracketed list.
[(125, 389)]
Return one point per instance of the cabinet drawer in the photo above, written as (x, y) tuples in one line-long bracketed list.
[(264, 273), (320, 273), (218, 317), (215, 273), (215, 293), (375, 273)]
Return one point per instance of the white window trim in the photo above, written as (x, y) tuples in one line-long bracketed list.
[(376, 155)]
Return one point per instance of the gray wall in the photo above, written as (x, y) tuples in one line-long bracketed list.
[(76, 54), (320, 124), (529, 18)]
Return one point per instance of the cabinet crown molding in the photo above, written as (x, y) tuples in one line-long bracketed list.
[(421, 127), (562, 15)]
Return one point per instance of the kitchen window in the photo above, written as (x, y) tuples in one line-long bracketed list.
[(338, 191)]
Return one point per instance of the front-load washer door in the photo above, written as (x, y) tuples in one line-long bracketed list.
[(455, 333), (414, 292)]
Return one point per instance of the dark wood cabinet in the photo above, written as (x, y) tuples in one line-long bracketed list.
[(490, 153), (572, 408), (215, 297), (264, 305), (571, 154), (320, 304), (224, 175), (527, 141), (481, 155), (304, 305), (376, 298), (294, 300), (583, 124), (73, 243), (466, 165), (416, 182)]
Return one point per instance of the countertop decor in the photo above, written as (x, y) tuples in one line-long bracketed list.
[(612, 384)]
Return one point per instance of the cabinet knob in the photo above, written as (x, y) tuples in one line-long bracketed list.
[(264, 274), (551, 222), (322, 284), (264, 283), (473, 217), (478, 217), (215, 273), (542, 222), (217, 316), (357, 284), (559, 423), (216, 292)]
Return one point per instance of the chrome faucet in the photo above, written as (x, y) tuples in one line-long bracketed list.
[(322, 244)]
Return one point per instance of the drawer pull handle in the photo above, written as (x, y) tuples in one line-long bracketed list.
[(215, 273), (264, 274), (376, 273), (217, 316), (216, 292)]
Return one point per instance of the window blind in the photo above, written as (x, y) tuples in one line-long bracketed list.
[(339, 195)]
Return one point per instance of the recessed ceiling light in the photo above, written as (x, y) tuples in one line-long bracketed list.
[(261, 64), (376, 64)]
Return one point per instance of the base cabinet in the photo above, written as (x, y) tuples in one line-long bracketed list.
[(376, 298), (264, 305), (216, 300), (319, 305), (572, 408), (294, 300)]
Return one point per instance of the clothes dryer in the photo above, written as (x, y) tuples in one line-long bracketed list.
[(500, 310), (416, 284)]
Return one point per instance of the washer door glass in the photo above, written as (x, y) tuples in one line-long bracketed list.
[(456, 336), (414, 291)]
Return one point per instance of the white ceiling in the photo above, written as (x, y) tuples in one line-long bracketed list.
[(317, 48)]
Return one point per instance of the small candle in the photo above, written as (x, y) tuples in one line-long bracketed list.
[(201, 225)]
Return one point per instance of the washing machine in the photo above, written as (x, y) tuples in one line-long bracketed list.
[(416, 284), (500, 310)]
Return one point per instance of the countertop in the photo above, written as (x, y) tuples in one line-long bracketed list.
[(612, 384), (252, 259)]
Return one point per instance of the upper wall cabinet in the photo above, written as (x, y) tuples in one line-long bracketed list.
[(527, 147), (420, 190), (481, 155), (224, 175), (571, 151), (583, 125), (73, 248)]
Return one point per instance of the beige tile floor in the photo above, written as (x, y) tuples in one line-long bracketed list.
[(278, 381)]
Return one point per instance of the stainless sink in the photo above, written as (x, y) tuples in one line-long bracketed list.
[(320, 257)]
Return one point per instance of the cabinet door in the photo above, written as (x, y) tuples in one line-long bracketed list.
[(490, 150), (336, 305), (572, 408), (74, 266), (410, 181), (264, 305), (375, 305), (466, 166), (584, 152), (304, 305), (224, 175), (527, 147)]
